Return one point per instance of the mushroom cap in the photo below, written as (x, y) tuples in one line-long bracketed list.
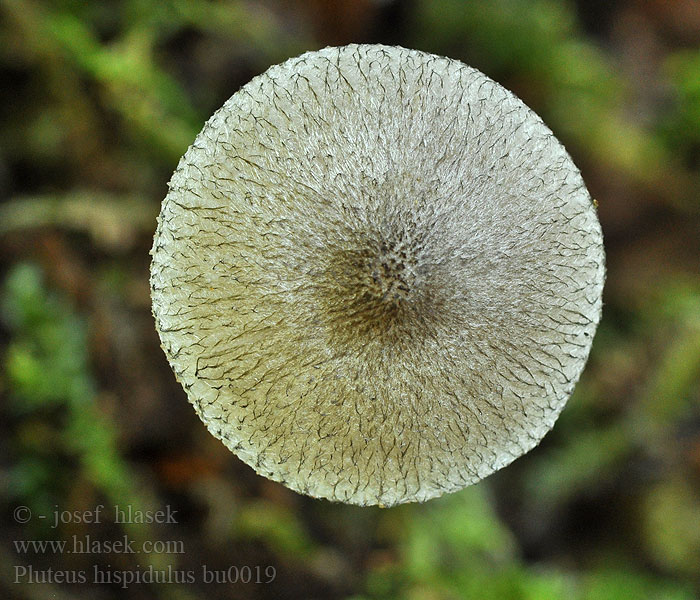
[(377, 274)]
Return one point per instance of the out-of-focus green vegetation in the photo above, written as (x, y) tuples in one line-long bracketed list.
[(98, 102)]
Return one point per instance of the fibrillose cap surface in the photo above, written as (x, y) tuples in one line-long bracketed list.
[(377, 275)]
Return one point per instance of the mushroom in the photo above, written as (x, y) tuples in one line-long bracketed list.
[(377, 275)]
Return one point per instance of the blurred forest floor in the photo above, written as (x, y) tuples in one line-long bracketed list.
[(98, 102)]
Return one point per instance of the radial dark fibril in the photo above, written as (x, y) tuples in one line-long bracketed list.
[(377, 275)]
